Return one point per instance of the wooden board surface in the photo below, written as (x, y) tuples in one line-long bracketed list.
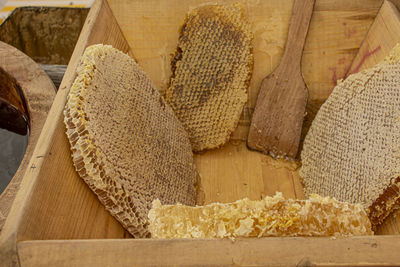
[(383, 35), (356, 251), (229, 173), (234, 172), (71, 210), (39, 92), (336, 32), (54, 203)]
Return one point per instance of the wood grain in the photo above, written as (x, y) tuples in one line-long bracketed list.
[(53, 202), (38, 91), (234, 172), (355, 251), (383, 35), (65, 194), (336, 31), (280, 109), (335, 34)]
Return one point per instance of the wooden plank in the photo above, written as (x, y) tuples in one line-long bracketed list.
[(234, 172), (383, 35), (38, 90), (62, 193), (53, 202), (355, 251), (336, 31), (335, 34)]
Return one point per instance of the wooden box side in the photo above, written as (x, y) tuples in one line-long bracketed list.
[(354, 251), (53, 202), (56, 204), (61, 205)]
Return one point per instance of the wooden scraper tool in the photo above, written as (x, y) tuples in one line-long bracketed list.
[(280, 109)]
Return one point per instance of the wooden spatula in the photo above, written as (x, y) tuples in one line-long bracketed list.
[(280, 109)]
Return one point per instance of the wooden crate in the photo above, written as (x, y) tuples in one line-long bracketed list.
[(57, 220)]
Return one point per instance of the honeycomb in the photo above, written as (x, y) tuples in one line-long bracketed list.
[(211, 72), (126, 142), (352, 149), (271, 216)]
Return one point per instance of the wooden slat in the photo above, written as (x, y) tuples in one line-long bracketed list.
[(53, 202), (356, 251), (383, 35), (56, 204), (38, 91), (335, 34), (69, 209)]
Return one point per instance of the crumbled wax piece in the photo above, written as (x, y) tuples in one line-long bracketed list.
[(271, 216)]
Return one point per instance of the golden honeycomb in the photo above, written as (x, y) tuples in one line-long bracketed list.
[(271, 216), (126, 143), (352, 149), (211, 71)]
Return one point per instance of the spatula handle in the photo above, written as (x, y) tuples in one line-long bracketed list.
[(298, 28)]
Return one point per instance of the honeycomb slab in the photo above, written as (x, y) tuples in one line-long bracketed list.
[(352, 150), (126, 142), (211, 71)]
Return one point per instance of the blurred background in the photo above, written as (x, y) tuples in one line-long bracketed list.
[(7, 6)]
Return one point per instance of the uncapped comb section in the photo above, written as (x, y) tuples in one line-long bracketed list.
[(271, 216), (352, 150), (126, 143), (211, 71)]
